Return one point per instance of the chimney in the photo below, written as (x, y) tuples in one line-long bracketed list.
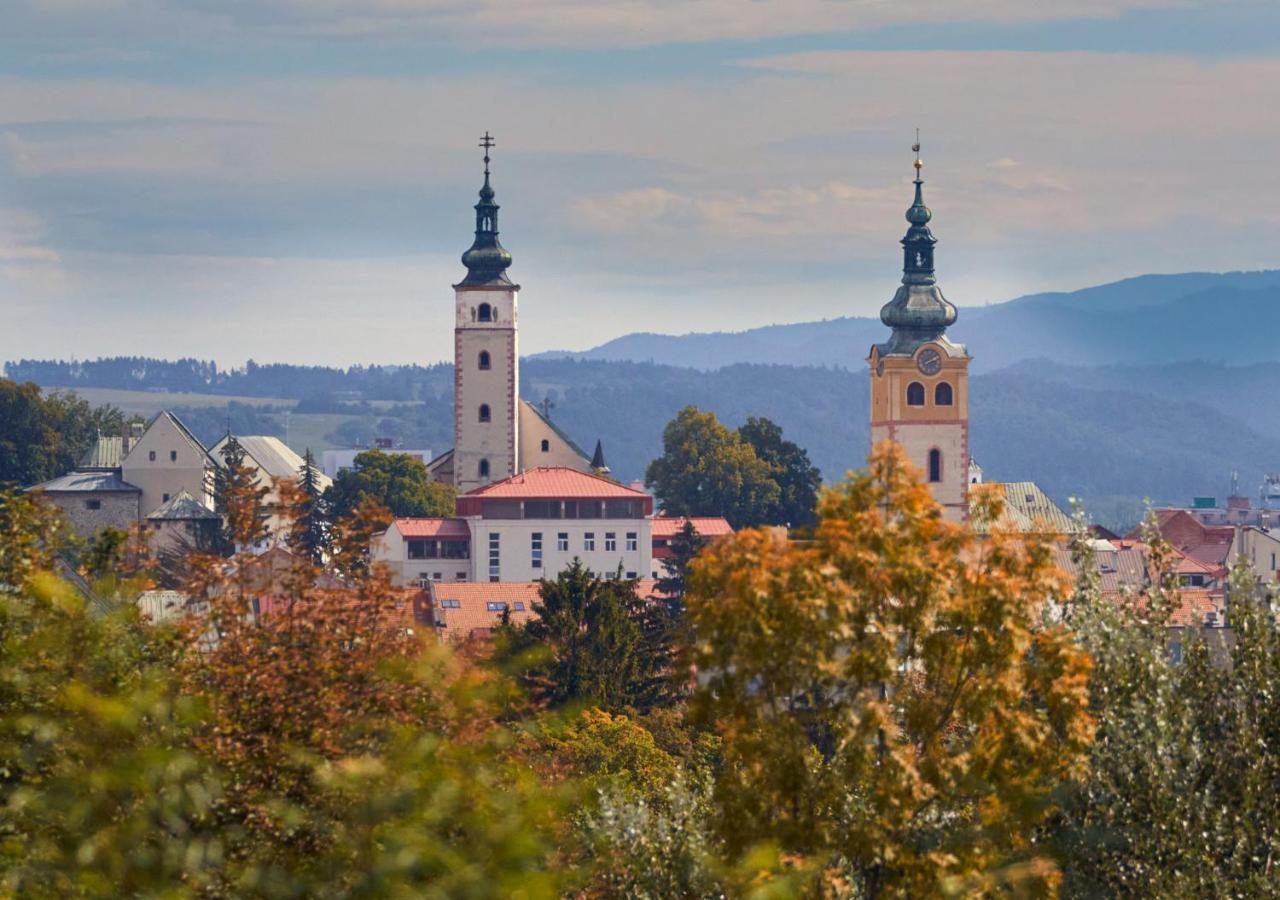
[(131, 439)]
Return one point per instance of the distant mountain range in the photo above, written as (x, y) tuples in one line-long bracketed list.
[(1153, 319)]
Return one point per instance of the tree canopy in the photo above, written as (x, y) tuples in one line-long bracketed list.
[(42, 435), (394, 480)]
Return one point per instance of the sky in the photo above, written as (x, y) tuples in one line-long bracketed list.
[(292, 180)]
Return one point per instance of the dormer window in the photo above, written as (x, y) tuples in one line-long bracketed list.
[(915, 394), (485, 312)]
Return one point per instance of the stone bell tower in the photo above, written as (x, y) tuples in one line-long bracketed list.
[(919, 378), (486, 358)]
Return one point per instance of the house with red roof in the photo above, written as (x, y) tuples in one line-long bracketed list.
[(532, 526)]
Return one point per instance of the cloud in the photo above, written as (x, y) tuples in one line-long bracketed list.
[(542, 23)]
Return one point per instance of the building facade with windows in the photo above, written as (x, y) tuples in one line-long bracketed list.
[(528, 527), (919, 377)]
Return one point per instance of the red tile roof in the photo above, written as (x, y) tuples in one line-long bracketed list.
[(472, 616), (435, 527), (1195, 607), (555, 482), (706, 526)]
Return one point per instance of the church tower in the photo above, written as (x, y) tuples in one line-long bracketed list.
[(919, 378), (486, 360)]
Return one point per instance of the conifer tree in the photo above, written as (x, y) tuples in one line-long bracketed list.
[(310, 531), (238, 499)]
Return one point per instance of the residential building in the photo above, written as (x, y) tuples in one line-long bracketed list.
[(1218, 547), (665, 528), (273, 461), (919, 377), (166, 459), (93, 500), (496, 434), (1026, 509)]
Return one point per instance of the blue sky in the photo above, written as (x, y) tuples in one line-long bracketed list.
[(292, 179)]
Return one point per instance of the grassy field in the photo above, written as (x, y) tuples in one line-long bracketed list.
[(148, 403), (309, 430)]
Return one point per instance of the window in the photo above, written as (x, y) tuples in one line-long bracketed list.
[(484, 359), (423, 580), (97, 504), (562, 541), (915, 394), (438, 576), (942, 394), (495, 606), (484, 412), (546, 446), (484, 313), (623, 509), (495, 556), (151, 456), (633, 542), (610, 541), (460, 576), (542, 509), (519, 606), (500, 509), (935, 465), (535, 549), (451, 604), (589, 541), (484, 468), (1175, 653), (631, 576), (166, 498), (173, 456)]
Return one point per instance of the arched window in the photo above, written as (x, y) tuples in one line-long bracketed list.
[(942, 394), (485, 312), (484, 412), (484, 468), (546, 445), (915, 394), (484, 359), (935, 465)]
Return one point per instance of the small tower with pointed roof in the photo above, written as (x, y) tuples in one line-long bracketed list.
[(919, 377), (486, 361)]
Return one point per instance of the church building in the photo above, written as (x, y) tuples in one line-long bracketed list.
[(496, 434), (919, 377)]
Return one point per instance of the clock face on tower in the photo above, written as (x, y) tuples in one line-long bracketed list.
[(929, 362)]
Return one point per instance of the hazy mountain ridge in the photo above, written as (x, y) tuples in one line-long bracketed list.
[(1232, 316)]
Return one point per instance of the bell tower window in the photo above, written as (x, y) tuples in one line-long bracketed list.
[(942, 394), (484, 312), (915, 394), (484, 468), (935, 465), (484, 412), (484, 359)]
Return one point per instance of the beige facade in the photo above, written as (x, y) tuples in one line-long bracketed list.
[(928, 416), (1262, 551), (272, 461), (486, 385), (166, 460), (542, 444)]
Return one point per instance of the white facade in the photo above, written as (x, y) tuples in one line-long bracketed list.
[(530, 549)]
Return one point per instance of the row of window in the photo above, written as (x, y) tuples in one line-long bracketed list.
[(562, 509), (425, 578), (942, 395)]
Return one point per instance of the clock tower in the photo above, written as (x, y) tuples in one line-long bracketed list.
[(919, 378)]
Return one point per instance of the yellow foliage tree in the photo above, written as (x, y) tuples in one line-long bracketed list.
[(895, 705)]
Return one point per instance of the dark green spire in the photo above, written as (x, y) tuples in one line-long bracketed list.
[(486, 260), (918, 312)]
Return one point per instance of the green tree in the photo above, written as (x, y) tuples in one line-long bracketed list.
[(310, 534), (797, 478), (43, 436), (707, 470), (892, 703), (589, 644), (396, 481), (239, 499), (685, 547), (1178, 800)]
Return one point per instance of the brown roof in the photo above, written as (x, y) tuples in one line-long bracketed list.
[(433, 527), (555, 482), (706, 526)]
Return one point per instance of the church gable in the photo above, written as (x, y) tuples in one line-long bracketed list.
[(542, 444)]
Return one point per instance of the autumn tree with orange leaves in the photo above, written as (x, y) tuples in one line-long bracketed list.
[(895, 704)]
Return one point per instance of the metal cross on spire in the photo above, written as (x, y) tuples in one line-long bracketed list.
[(488, 143), (915, 148)]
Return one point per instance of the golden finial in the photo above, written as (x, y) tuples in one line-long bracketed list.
[(915, 148)]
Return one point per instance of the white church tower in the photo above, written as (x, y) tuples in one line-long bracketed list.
[(486, 360)]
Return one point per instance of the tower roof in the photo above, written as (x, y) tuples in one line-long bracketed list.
[(486, 259), (918, 312)]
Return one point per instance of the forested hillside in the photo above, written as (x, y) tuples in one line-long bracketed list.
[(1111, 436)]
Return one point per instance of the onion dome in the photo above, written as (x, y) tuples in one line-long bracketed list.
[(918, 312), (486, 260)]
